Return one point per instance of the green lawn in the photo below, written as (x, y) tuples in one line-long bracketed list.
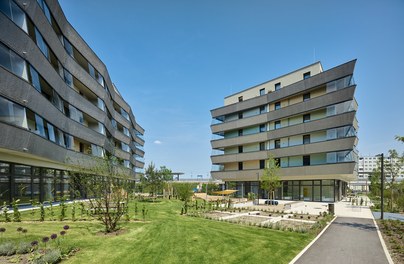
[(167, 237)]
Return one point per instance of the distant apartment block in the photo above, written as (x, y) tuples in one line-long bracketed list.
[(57, 104), (306, 119)]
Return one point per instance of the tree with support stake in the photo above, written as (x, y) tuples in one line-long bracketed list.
[(270, 180)]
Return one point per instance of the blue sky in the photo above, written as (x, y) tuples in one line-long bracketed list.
[(174, 61)]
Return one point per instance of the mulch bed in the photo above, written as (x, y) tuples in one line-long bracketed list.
[(393, 235)]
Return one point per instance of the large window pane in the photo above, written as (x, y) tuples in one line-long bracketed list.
[(18, 66), (40, 129), (41, 43), (4, 188), (34, 78), (5, 59), (22, 188), (12, 113), (59, 138), (51, 132), (5, 7), (48, 189), (327, 193), (18, 16)]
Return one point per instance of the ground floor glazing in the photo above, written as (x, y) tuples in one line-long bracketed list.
[(296, 190)]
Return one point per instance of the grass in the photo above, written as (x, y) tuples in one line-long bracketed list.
[(166, 237)]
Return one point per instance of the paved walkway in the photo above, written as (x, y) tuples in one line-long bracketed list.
[(392, 216), (347, 240)]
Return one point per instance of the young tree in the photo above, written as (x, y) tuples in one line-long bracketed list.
[(184, 192), (106, 184), (270, 180), (393, 167), (154, 178)]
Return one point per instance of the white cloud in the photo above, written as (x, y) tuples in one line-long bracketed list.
[(158, 142)]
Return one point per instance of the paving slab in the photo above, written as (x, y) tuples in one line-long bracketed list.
[(347, 240)]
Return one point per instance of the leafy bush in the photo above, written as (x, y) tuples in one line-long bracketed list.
[(23, 248), (7, 249), (50, 257)]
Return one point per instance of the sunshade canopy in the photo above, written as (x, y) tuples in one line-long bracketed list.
[(225, 192)]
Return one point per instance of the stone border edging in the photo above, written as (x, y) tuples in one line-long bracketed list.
[(312, 242), (386, 251)]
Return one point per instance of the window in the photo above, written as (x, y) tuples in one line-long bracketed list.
[(240, 149), (125, 147), (263, 109), (306, 75), (126, 131), (306, 97), (100, 104), (306, 139), (277, 143), (240, 166), (240, 98), (277, 124), (240, 132), (306, 118), (277, 105), (277, 86), (14, 12), (12, 62), (262, 146), (277, 162), (263, 128), (97, 151), (68, 47), (240, 115), (40, 42), (262, 164), (262, 91), (306, 160), (12, 113), (125, 114)]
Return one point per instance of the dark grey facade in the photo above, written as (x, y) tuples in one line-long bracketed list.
[(57, 104), (305, 119)]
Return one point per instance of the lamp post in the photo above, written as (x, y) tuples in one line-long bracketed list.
[(382, 186)]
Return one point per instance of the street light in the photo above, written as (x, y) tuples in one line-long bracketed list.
[(381, 186)]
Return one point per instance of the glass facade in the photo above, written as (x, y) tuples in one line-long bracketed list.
[(30, 183), (298, 190)]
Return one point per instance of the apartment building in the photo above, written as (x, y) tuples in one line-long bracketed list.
[(58, 105), (305, 119)]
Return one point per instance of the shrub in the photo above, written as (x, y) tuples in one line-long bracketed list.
[(7, 249), (16, 212), (23, 248), (50, 257)]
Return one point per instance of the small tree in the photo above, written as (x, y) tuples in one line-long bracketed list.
[(270, 180), (184, 192), (106, 185), (152, 179)]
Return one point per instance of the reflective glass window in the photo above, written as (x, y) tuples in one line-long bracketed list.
[(12, 113), (51, 132), (40, 130), (68, 47), (41, 43), (22, 188), (18, 66), (34, 79), (5, 59)]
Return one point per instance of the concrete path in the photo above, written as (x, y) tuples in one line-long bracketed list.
[(347, 240)]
